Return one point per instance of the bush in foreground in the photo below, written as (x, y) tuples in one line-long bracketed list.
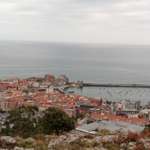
[(28, 121), (21, 122), (56, 121)]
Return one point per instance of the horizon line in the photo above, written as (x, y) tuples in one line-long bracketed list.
[(75, 43)]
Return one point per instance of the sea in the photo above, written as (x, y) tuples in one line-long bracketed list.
[(98, 63)]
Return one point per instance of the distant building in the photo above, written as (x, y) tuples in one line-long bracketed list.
[(64, 78), (36, 85), (145, 113), (130, 105), (49, 78), (61, 80), (127, 107)]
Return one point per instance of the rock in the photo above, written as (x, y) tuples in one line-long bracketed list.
[(18, 148), (21, 148), (102, 148), (56, 141), (123, 145), (108, 138), (71, 138), (67, 138), (30, 140), (131, 145), (146, 143), (8, 139), (98, 139)]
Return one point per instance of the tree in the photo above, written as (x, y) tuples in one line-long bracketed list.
[(56, 121), (29, 121), (22, 121)]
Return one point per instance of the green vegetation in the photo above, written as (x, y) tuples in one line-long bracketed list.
[(29, 121), (147, 128), (56, 121), (104, 132), (22, 122)]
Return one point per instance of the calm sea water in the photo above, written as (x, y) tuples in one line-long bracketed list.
[(92, 63)]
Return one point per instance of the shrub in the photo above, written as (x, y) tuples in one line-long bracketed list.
[(21, 122), (56, 121), (104, 132), (28, 121)]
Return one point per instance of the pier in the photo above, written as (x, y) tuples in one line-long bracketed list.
[(115, 85)]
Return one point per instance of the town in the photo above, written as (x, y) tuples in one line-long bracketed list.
[(48, 91), (93, 114)]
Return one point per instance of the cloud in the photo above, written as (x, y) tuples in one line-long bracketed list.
[(76, 20)]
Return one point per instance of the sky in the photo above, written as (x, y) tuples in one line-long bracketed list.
[(83, 21)]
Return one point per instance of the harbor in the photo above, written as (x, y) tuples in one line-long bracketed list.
[(112, 92)]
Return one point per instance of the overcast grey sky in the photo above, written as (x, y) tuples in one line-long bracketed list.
[(100, 21)]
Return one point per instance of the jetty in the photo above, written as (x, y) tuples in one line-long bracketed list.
[(115, 85)]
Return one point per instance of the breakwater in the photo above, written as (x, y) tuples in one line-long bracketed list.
[(115, 85)]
